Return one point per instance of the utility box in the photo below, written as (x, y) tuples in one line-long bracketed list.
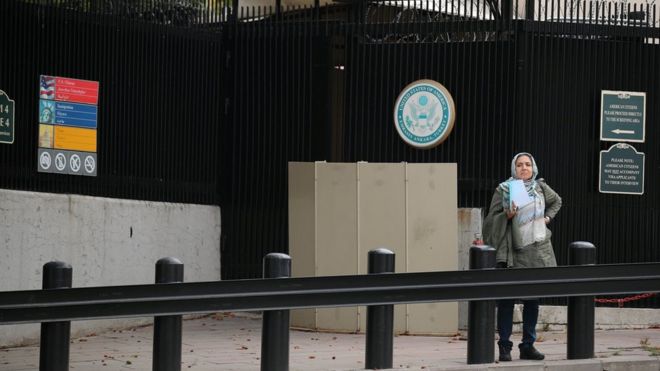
[(338, 212)]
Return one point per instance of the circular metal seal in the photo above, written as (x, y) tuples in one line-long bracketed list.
[(424, 114)]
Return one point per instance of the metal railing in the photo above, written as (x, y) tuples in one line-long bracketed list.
[(58, 304)]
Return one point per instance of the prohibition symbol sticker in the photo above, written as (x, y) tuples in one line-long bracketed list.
[(90, 164), (74, 162), (45, 160), (424, 114), (60, 161)]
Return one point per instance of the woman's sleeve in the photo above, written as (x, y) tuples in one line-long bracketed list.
[(495, 224), (552, 201)]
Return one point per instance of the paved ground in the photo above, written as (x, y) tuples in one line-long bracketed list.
[(232, 342)]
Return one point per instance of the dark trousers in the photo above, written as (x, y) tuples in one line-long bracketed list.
[(505, 321)]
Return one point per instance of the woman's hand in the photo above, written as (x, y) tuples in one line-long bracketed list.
[(510, 213)]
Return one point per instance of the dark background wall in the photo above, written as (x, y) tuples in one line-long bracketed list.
[(211, 112)]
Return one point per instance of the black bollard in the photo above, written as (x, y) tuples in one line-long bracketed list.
[(55, 336), (167, 329), (580, 322), (481, 314), (275, 325), (380, 318)]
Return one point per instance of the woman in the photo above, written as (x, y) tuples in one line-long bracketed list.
[(522, 240)]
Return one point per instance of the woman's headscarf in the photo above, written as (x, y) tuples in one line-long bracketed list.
[(530, 184)]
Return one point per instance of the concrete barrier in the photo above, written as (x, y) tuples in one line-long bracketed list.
[(106, 241)]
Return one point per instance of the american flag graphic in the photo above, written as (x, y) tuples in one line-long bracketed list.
[(47, 87)]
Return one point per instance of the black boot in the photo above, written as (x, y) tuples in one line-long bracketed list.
[(529, 352), (505, 353)]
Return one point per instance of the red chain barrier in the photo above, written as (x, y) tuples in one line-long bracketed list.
[(625, 300)]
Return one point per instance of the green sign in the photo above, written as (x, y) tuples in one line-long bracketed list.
[(621, 170), (6, 118), (622, 116)]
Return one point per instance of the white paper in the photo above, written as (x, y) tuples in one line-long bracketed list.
[(518, 194)]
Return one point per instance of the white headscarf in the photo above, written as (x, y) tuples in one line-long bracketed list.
[(528, 226)]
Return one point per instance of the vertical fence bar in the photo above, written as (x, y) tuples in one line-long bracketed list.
[(580, 322), (275, 326), (380, 318), (529, 10), (507, 11), (55, 336), (167, 329), (481, 314)]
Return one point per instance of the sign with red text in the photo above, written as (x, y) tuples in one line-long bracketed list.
[(64, 89)]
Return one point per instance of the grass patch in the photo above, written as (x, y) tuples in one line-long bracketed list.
[(646, 345), (653, 351)]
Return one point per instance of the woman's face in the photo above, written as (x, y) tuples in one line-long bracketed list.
[(524, 168)]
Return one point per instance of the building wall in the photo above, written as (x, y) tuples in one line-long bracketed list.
[(106, 241)]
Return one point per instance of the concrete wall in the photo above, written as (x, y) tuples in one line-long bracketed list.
[(106, 241), (469, 223)]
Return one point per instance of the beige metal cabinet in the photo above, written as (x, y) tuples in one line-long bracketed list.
[(340, 211)]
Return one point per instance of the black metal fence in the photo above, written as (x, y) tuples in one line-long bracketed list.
[(160, 101), (206, 104), (58, 304)]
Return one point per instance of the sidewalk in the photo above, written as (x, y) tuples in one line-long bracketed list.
[(232, 342)]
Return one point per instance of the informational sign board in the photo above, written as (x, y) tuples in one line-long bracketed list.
[(68, 123), (621, 170), (622, 116), (6, 119), (67, 162), (69, 114)]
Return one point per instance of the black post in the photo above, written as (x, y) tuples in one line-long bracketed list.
[(55, 336), (167, 329), (380, 318), (481, 314), (529, 10), (507, 10), (275, 325), (580, 322)]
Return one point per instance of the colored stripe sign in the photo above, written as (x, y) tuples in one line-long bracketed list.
[(68, 115), (73, 114), (75, 139), (69, 90)]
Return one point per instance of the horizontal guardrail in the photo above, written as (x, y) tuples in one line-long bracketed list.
[(314, 292), (58, 304)]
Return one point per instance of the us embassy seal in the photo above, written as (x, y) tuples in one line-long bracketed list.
[(424, 114)]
